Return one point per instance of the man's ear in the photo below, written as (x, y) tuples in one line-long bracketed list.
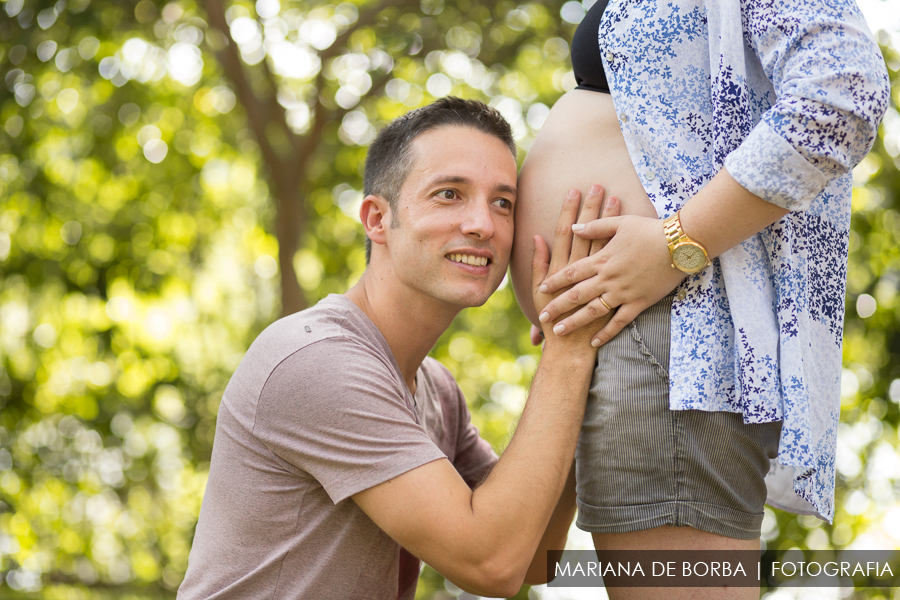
[(375, 214)]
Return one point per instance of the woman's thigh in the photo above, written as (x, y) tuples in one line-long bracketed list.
[(675, 538)]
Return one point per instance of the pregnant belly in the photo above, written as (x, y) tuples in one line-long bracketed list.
[(579, 145)]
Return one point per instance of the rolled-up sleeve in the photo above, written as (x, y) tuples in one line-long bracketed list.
[(831, 89)]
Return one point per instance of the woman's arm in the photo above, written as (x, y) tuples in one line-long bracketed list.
[(634, 271), (831, 90)]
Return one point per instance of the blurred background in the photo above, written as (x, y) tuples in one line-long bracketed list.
[(176, 176)]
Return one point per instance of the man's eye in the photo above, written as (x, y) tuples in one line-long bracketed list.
[(503, 203), (447, 194)]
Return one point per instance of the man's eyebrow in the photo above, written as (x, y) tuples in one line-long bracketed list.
[(466, 181), (506, 188)]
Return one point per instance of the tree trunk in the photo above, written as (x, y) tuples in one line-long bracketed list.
[(284, 179), (289, 227)]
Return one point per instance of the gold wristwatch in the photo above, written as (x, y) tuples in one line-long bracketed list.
[(688, 256)]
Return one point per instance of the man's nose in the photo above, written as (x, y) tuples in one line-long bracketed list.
[(478, 221)]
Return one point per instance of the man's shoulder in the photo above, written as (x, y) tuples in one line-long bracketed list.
[(324, 320), (334, 321), (318, 342)]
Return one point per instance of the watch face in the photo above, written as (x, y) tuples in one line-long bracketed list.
[(689, 258)]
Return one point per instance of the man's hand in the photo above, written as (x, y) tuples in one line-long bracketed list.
[(569, 251)]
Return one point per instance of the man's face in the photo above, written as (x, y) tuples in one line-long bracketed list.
[(453, 230)]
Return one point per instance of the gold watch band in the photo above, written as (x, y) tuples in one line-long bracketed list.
[(673, 231), (687, 255)]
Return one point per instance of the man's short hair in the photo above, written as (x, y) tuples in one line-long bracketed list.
[(390, 158)]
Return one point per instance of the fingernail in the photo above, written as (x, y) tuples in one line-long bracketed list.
[(595, 189), (543, 289), (573, 193), (559, 329), (595, 343), (578, 227), (545, 316), (612, 201)]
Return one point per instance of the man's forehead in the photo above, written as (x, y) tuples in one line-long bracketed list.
[(445, 152), (469, 133)]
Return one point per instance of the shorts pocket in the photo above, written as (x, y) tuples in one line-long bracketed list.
[(659, 360)]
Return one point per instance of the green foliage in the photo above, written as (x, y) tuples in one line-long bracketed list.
[(144, 180), (138, 247)]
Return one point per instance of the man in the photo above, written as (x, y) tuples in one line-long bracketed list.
[(342, 452)]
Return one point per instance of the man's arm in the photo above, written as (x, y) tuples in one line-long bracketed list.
[(484, 540), (556, 533), (561, 521), (475, 459)]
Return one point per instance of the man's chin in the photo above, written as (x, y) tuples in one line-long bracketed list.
[(476, 299), (468, 293)]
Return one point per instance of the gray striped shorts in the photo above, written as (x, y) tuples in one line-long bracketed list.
[(640, 465)]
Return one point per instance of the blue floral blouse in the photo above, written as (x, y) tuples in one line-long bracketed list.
[(787, 95)]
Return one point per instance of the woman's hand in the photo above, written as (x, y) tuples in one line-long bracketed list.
[(569, 249), (632, 273)]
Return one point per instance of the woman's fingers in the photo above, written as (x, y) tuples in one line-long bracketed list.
[(582, 293), (600, 229), (590, 211), (623, 316), (572, 274), (560, 279), (611, 208), (588, 313)]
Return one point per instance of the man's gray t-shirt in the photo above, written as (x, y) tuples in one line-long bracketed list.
[(316, 412)]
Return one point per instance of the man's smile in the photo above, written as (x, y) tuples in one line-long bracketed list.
[(469, 259)]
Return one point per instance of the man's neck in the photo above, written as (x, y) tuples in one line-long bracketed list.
[(410, 326)]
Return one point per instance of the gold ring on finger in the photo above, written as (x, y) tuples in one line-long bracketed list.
[(603, 302)]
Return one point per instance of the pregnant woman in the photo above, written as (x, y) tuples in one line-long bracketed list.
[(727, 130)]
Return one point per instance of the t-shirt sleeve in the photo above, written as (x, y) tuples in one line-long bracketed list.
[(475, 458), (474, 455), (337, 411)]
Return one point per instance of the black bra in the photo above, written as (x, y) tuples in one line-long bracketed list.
[(586, 61)]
